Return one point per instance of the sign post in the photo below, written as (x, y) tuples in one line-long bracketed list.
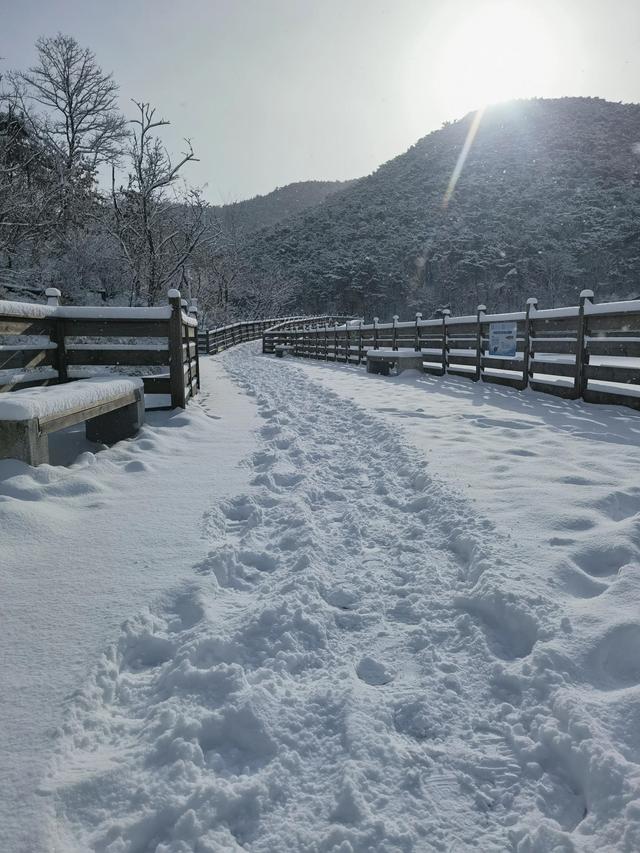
[(503, 339)]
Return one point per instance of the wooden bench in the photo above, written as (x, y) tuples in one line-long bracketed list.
[(281, 350), (112, 407), (382, 360)]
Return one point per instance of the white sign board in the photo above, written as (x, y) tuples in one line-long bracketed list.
[(502, 339)]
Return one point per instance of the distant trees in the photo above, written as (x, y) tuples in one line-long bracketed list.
[(60, 123), (28, 197)]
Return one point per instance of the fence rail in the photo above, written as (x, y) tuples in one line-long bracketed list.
[(216, 340), (589, 351), (50, 344)]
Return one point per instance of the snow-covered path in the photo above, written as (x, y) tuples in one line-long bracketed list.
[(364, 660)]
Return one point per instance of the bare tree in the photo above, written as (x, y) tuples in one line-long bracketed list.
[(158, 227), (70, 106), (81, 123)]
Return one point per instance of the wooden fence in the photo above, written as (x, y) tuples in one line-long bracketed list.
[(50, 344), (223, 337), (587, 351)]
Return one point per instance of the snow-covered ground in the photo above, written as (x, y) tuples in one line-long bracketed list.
[(85, 547), (410, 621)]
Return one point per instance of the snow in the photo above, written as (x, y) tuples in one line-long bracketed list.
[(554, 313), (27, 348), (497, 318), (84, 548), (16, 376), (408, 622), (469, 318), (386, 352), (28, 403), (189, 321), (156, 347), (32, 310), (629, 306)]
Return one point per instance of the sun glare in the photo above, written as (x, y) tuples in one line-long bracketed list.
[(495, 52)]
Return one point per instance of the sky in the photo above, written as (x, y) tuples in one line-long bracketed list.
[(276, 91)]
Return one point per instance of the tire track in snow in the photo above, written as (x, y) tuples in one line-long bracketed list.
[(346, 672)]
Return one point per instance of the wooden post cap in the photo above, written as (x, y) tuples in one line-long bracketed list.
[(173, 293)]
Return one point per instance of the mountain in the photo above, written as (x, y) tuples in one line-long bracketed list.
[(264, 211), (547, 203)]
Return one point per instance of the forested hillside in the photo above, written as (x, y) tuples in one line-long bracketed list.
[(548, 202), (264, 211)]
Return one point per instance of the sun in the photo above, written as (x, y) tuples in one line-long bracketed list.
[(494, 51)]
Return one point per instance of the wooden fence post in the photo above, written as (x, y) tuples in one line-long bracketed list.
[(176, 364), (53, 296), (375, 333), (360, 343), (193, 312), (417, 346), (445, 343), (528, 333), (582, 355), (335, 341), (480, 310), (394, 334), (58, 336)]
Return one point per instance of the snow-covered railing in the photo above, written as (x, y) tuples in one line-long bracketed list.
[(223, 337), (586, 351), (53, 343)]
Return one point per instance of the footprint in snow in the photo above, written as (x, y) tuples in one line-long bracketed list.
[(345, 599), (604, 559), (373, 672), (621, 505), (615, 658)]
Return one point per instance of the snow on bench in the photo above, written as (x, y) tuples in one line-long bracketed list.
[(113, 408), (281, 349), (381, 360)]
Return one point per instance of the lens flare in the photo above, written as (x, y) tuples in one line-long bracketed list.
[(455, 175)]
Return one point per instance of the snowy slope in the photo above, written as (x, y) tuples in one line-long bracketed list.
[(416, 629)]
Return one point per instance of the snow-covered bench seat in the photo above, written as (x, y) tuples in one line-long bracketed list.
[(113, 408), (282, 349), (382, 360)]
